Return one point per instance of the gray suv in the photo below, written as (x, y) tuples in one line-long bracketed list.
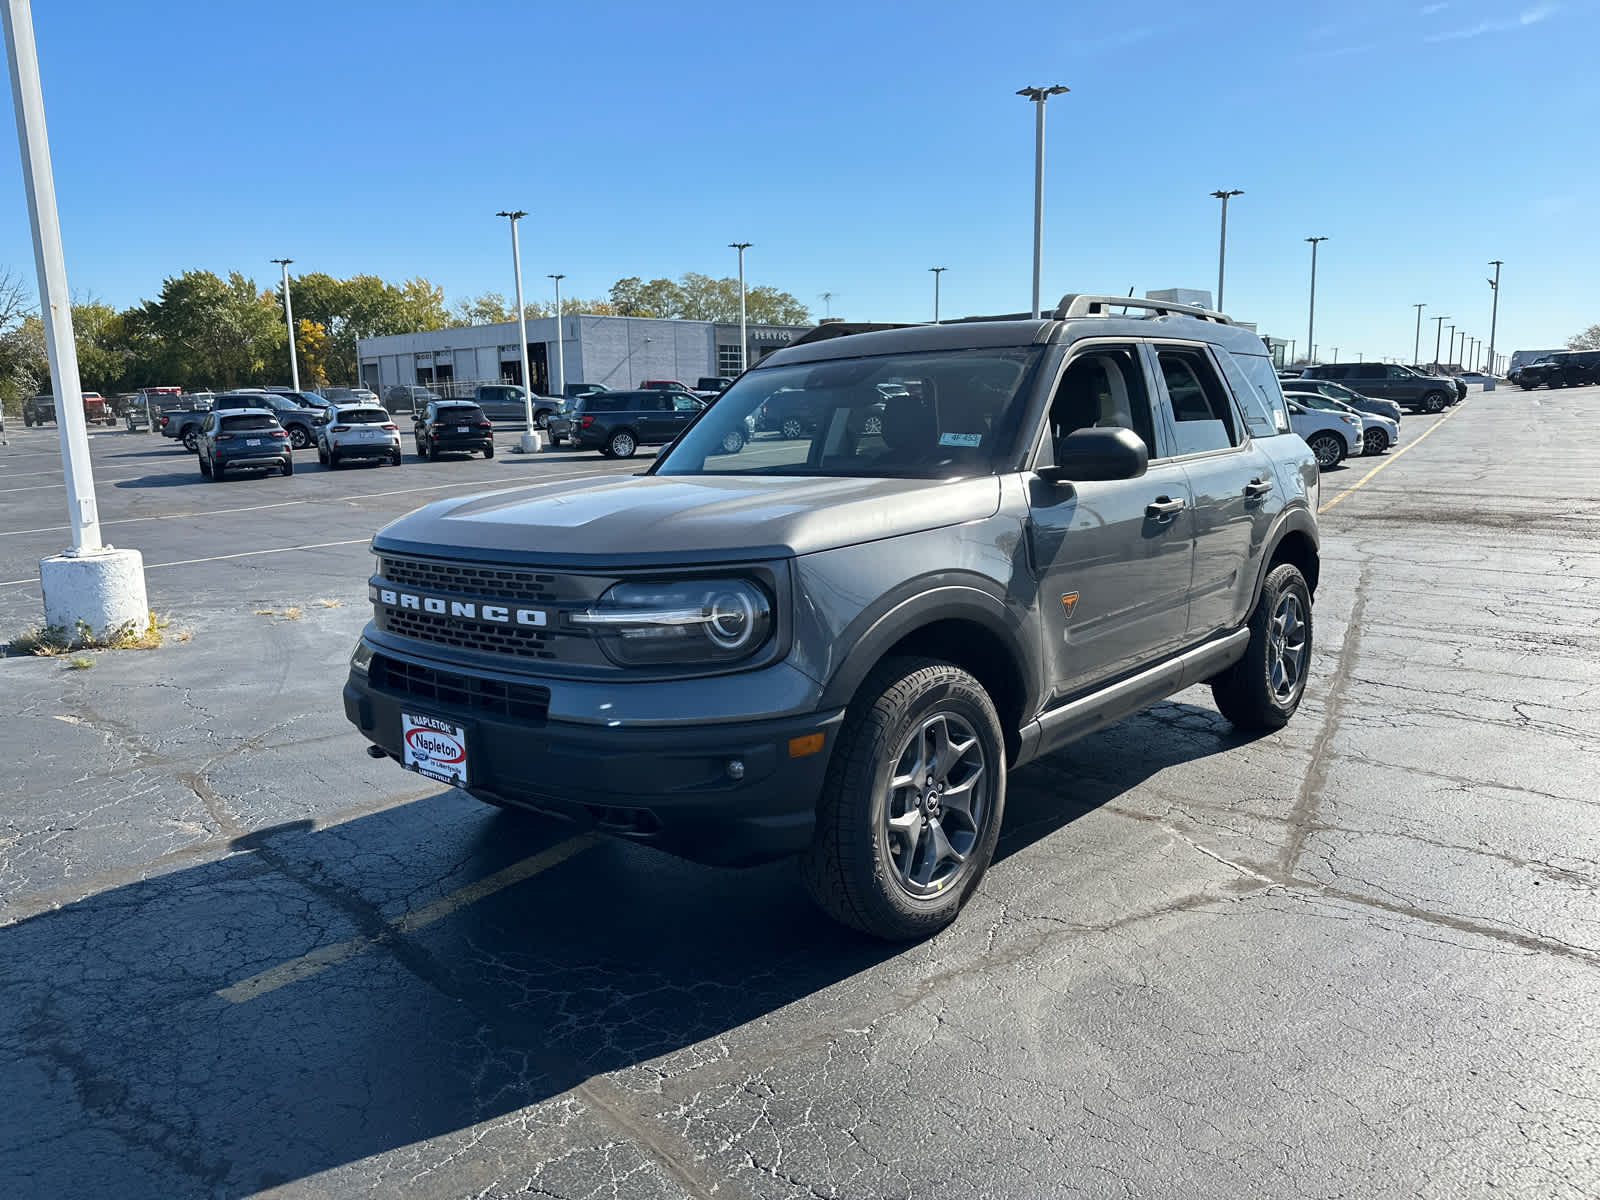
[(837, 646), (1390, 381)]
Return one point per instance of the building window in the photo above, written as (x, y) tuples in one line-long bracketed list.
[(728, 361)]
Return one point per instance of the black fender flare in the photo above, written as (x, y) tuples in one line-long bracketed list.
[(1296, 520), (917, 605)]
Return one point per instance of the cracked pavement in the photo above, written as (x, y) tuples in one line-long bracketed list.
[(1359, 957)]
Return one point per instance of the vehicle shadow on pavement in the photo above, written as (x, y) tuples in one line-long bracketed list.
[(166, 479), (127, 1043)]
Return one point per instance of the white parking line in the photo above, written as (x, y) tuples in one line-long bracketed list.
[(323, 957)]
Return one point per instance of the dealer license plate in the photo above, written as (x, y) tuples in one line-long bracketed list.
[(434, 748), (252, 441), (461, 428)]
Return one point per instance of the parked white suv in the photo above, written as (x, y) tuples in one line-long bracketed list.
[(1332, 436)]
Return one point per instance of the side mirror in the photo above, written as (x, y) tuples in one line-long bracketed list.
[(1086, 455)]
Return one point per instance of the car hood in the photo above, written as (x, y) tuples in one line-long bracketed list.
[(649, 520)]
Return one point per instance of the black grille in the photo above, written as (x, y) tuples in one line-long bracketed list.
[(485, 636), (490, 697), (503, 583)]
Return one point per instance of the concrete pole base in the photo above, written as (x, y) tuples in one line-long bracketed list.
[(530, 443), (99, 593), (1488, 385)]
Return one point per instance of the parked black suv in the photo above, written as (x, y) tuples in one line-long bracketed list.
[(36, 410), (1571, 368), (838, 646), (453, 427), (1390, 381), (618, 423)]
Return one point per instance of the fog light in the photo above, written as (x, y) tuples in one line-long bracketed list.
[(735, 768), (801, 746)]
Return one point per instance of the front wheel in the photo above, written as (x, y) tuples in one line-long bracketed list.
[(792, 429), (541, 420), (912, 802), (622, 444), (1328, 448), (1263, 689), (1434, 402), (1375, 441), (732, 441)]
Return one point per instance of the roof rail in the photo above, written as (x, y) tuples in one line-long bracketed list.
[(1075, 305)]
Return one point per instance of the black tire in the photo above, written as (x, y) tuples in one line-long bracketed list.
[(541, 420), (396, 459), (1251, 693), (1329, 449), (488, 451), (205, 468), (322, 455), (27, 421), (851, 868), (288, 464), (732, 442), (1527, 387), (1434, 402), (191, 442), (299, 437), (333, 460), (792, 429), (1374, 441), (622, 444), (215, 473)]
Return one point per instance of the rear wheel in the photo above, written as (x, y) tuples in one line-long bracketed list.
[(191, 442), (299, 438), (792, 428), (288, 464), (732, 441), (488, 451), (395, 460), (1328, 447), (333, 460), (622, 444), (322, 455), (205, 468), (912, 803), (1263, 689)]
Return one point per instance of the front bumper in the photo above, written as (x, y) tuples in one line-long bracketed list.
[(673, 788)]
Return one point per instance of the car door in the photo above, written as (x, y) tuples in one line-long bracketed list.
[(1111, 557), (1231, 480), (653, 418), (685, 408)]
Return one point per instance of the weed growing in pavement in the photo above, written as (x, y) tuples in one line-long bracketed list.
[(51, 640), (80, 662), (291, 614), (331, 603)]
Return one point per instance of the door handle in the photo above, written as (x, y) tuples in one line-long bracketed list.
[(1164, 508), (1257, 487)]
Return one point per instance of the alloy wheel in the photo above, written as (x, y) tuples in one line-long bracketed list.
[(940, 797), (1286, 648)]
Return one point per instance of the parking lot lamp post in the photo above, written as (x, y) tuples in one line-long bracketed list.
[(530, 440), (91, 584), (561, 360), (1038, 95), (1494, 316), (1438, 333), (1311, 320), (937, 271), (288, 319), (744, 336), (1452, 357), (1222, 247), (1416, 342)]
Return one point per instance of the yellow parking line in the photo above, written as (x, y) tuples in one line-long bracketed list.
[(1418, 441), (323, 957)]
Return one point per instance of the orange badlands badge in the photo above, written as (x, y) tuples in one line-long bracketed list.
[(1069, 601)]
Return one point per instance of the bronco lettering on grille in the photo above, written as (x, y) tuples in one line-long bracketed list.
[(494, 614)]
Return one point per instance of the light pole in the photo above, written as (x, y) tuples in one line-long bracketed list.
[(1438, 332), (561, 358), (529, 442), (744, 336), (1039, 95), (1452, 346), (1416, 342), (89, 584), (1494, 319), (1222, 248), (937, 271), (1291, 351), (1311, 321), (288, 319)]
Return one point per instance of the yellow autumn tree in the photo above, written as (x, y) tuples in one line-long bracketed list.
[(311, 347)]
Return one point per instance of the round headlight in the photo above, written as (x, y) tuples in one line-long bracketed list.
[(730, 618)]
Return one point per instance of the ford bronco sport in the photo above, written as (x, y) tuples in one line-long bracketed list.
[(836, 646)]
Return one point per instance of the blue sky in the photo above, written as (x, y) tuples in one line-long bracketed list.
[(854, 146)]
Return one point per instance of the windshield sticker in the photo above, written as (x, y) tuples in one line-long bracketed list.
[(960, 439)]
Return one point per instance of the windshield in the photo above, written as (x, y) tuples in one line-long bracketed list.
[(952, 413)]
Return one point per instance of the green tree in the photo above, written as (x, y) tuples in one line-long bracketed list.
[(1589, 339), (487, 309), (212, 331), (104, 354)]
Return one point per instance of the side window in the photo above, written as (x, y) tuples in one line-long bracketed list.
[(657, 401), (1202, 414), (1370, 371), (683, 402), (1103, 388), (1260, 394)]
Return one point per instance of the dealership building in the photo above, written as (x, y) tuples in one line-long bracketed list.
[(618, 352)]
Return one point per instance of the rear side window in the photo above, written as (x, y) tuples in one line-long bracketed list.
[(240, 424), (1202, 414), (1255, 383)]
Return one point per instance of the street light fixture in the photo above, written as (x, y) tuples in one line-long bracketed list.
[(744, 337), (530, 440), (1039, 95), (937, 271), (1222, 248), (1438, 328), (288, 319), (561, 359), (1311, 320), (1494, 316), (1416, 342)]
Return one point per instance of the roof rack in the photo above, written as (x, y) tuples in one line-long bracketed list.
[(834, 329), (1075, 305)]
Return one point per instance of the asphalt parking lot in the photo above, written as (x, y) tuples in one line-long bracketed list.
[(1360, 957)]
